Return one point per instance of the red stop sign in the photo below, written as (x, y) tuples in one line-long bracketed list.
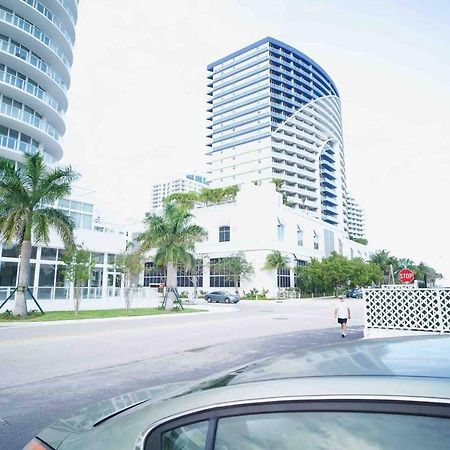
[(406, 276)]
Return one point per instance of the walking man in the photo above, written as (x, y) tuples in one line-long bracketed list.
[(342, 313)]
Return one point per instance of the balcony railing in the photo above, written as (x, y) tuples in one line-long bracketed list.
[(34, 61), (23, 147), (68, 9), (26, 117), (31, 89), (34, 31), (50, 16)]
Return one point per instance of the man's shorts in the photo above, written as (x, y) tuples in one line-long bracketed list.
[(342, 320)]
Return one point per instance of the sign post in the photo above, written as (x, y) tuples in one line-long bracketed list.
[(406, 276)]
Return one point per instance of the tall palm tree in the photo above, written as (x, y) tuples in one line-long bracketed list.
[(174, 237), (27, 194)]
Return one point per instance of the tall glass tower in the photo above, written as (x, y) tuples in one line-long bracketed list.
[(275, 113), (36, 53)]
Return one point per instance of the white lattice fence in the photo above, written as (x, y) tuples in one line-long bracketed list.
[(407, 309)]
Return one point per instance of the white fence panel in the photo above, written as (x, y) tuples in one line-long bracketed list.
[(408, 309)]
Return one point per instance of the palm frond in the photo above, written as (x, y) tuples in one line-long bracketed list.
[(48, 217)]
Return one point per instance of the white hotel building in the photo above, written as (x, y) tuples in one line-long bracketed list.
[(180, 183), (273, 113), (36, 53)]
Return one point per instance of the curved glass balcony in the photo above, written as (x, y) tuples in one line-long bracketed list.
[(26, 117), (34, 61), (50, 16), (22, 147), (68, 9), (31, 89), (38, 34)]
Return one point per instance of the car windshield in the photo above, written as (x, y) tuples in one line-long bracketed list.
[(388, 358)]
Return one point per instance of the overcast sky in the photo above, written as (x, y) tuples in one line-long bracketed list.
[(137, 100)]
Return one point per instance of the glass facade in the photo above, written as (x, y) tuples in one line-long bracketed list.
[(47, 272)]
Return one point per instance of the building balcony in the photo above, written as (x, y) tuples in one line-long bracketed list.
[(42, 16), (34, 97), (33, 126), (14, 149), (38, 69), (33, 38)]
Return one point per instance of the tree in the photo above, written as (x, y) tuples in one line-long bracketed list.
[(26, 198), (384, 260), (174, 237), (78, 270), (130, 264), (335, 273), (276, 261), (236, 267)]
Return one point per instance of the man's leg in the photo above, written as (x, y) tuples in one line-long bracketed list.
[(344, 328)]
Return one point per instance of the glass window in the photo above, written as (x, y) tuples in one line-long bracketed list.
[(48, 253), (60, 254), (187, 437), (153, 274), (76, 205), (76, 217), (86, 222), (299, 235), (97, 277), (316, 241), (186, 277), (87, 207), (98, 258), (47, 275), (332, 430), (220, 276), (280, 230), (10, 251), (60, 282), (224, 234), (8, 273), (63, 203), (284, 277), (111, 259), (33, 252)]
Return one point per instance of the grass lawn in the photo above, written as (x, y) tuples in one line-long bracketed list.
[(35, 316)]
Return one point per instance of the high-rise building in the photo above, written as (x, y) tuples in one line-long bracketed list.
[(275, 113), (181, 183), (356, 220), (36, 53)]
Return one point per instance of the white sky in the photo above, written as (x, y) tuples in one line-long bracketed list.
[(137, 101)]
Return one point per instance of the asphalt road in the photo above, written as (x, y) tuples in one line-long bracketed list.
[(49, 370)]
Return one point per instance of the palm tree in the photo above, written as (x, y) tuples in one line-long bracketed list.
[(26, 198), (174, 237), (385, 261), (276, 261)]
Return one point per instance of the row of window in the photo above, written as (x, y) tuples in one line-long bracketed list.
[(19, 136), (15, 104), (52, 254)]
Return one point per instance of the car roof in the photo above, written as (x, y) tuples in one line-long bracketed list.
[(427, 356)]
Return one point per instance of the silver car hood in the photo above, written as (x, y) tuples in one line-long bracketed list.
[(91, 416)]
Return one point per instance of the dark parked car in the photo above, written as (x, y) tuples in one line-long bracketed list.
[(354, 293), (221, 296), (373, 394)]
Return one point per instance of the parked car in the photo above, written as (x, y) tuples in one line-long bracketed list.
[(354, 293), (370, 394), (221, 296)]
